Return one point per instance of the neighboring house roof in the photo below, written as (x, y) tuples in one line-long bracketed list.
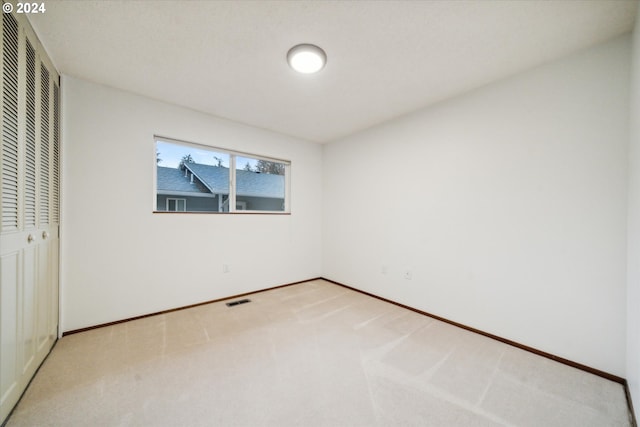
[(260, 184), (173, 180), (216, 179)]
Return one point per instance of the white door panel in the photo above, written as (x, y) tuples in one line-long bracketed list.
[(43, 292), (9, 289), (27, 307)]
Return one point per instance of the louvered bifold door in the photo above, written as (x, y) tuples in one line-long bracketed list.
[(54, 205), (10, 254), (48, 208), (30, 202)]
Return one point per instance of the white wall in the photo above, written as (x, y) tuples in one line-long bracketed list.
[(508, 205), (121, 260), (633, 257)]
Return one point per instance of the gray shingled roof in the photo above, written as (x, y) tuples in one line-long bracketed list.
[(172, 179), (260, 184), (216, 178)]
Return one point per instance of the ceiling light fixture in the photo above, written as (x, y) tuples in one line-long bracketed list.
[(306, 58)]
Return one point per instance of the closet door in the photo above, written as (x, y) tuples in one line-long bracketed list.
[(29, 204), (48, 212), (12, 239)]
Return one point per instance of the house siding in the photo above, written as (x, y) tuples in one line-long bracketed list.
[(262, 204), (194, 204)]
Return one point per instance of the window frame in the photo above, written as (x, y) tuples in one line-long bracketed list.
[(232, 202), (176, 200)]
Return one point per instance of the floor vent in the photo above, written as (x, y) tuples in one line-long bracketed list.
[(240, 301)]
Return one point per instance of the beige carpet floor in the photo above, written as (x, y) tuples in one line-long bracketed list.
[(313, 354)]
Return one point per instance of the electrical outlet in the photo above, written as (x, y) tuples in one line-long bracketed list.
[(225, 268), (408, 274)]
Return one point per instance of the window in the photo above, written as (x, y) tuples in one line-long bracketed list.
[(198, 178), (176, 205)]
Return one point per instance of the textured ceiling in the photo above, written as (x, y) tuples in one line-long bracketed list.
[(385, 58)]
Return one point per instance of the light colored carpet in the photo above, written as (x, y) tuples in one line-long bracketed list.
[(313, 354)]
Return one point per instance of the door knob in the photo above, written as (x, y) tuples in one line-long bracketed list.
[(30, 238), (45, 235)]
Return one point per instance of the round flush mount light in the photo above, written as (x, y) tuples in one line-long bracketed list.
[(306, 58)]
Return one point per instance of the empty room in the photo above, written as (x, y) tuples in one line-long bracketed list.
[(320, 213)]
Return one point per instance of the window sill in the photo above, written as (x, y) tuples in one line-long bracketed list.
[(226, 213)]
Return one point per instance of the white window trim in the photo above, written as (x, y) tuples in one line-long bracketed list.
[(240, 206), (176, 200)]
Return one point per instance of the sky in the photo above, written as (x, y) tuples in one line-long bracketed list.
[(171, 154)]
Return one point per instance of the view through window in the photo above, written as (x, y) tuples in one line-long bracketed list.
[(197, 178)]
